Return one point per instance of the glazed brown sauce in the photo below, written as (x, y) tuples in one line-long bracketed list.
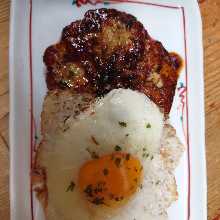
[(109, 49), (178, 61)]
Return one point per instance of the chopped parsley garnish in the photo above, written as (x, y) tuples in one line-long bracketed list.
[(122, 124), (117, 162), (71, 187), (117, 199), (148, 125), (127, 135), (128, 156), (117, 148), (145, 155), (93, 154), (152, 157), (105, 172), (98, 201), (89, 190), (65, 119), (94, 140), (65, 83), (92, 192), (158, 182)]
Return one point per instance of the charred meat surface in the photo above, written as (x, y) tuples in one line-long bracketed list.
[(110, 49)]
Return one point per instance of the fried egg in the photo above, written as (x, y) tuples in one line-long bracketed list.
[(106, 163)]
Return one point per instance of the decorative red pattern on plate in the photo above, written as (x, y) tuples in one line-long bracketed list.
[(79, 3), (182, 95), (31, 106), (94, 2), (84, 2), (187, 113)]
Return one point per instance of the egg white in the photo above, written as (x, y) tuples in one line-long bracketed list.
[(63, 154)]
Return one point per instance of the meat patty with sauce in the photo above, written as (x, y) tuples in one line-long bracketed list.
[(109, 49)]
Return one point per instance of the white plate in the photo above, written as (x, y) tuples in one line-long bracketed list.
[(37, 24)]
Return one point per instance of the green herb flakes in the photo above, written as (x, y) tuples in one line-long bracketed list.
[(66, 83), (148, 125), (117, 148), (105, 172), (128, 156), (122, 124), (117, 162), (71, 187), (145, 155), (158, 182)]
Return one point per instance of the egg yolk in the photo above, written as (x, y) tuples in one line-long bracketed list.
[(111, 179)]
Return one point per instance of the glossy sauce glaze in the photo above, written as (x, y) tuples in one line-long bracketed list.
[(110, 49)]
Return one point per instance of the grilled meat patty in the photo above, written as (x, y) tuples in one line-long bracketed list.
[(110, 49)]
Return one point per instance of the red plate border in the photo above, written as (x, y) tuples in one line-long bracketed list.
[(186, 80)]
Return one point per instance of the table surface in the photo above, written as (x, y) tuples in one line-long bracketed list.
[(210, 10)]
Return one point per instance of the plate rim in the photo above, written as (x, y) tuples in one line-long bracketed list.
[(12, 85)]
